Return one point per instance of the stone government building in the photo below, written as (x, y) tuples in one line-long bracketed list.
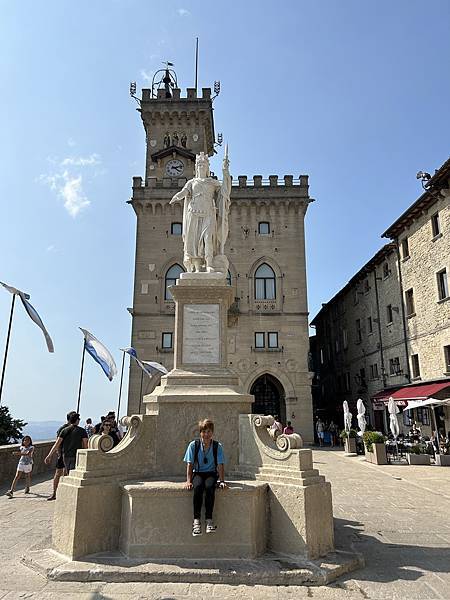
[(268, 341), (387, 331)]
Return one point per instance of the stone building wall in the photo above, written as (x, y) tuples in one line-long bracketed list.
[(422, 329), (429, 325), (360, 367)]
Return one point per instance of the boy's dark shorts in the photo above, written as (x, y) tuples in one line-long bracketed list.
[(69, 462)]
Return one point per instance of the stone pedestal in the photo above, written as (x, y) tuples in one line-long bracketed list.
[(200, 386)]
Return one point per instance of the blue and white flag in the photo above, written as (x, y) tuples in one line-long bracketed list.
[(154, 367), (13, 290), (100, 354), (32, 313), (149, 367)]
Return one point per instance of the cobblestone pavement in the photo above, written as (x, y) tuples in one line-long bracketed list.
[(398, 517)]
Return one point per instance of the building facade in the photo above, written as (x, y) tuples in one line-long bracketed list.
[(268, 322), (389, 327), (360, 341)]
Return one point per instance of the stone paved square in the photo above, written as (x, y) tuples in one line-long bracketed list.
[(396, 516)]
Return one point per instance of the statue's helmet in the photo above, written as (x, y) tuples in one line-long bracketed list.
[(201, 160)]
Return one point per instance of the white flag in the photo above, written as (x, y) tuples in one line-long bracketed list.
[(32, 313)]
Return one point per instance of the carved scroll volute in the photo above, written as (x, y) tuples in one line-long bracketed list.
[(101, 442)]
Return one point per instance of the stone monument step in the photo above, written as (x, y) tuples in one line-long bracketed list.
[(270, 569), (157, 521)]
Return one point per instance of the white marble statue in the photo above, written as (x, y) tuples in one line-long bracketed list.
[(205, 217)]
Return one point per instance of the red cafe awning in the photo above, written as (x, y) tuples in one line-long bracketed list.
[(410, 392), (420, 392)]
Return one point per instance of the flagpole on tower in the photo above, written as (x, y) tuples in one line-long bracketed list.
[(120, 387), (81, 375), (196, 64), (7, 345)]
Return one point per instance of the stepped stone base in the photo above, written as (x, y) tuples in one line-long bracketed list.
[(268, 570)]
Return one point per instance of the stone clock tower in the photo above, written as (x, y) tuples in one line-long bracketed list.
[(268, 338), (177, 129)]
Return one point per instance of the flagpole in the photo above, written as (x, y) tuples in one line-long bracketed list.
[(7, 345), (81, 375), (120, 387), (140, 393)]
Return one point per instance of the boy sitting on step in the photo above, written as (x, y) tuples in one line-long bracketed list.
[(204, 460)]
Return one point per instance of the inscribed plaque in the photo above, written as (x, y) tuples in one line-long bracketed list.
[(201, 334)]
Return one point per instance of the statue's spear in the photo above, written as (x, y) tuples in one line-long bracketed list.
[(226, 178)]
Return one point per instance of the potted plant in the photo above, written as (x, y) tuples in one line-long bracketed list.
[(442, 460), (375, 447), (417, 456), (349, 439)]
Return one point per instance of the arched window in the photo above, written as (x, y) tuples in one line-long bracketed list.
[(228, 277), (171, 277), (265, 288)]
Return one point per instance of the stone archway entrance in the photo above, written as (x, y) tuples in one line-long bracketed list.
[(269, 397)]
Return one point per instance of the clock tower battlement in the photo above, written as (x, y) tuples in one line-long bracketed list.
[(177, 128)]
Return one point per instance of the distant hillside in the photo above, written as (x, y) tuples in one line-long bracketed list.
[(42, 430)]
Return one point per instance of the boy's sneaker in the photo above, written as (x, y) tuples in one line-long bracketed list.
[(9, 494), (27, 490), (210, 527), (196, 527)]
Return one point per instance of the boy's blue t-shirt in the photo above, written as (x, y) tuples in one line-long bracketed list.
[(210, 465)]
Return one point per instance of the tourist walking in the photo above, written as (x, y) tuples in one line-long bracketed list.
[(59, 471), (288, 429), (204, 460), (332, 428), (276, 428), (25, 465), (319, 430), (70, 439), (89, 427)]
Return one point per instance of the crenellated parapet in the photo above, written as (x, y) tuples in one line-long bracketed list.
[(258, 181), (191, 94), (283, 193)]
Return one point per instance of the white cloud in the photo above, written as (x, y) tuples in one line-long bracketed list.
[(71, 142), (73, 195), (67, 182), (51, 248), (81, 161), (182, 12)]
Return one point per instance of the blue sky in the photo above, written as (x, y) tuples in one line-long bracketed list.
[(353, 93)]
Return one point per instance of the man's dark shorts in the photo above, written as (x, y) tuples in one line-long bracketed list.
[(60, 462), (69, 462)]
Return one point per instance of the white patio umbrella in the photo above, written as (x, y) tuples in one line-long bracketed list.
[(347, 416), (393, 420), (361, 416)]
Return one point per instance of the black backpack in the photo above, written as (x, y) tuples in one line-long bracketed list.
[(197, 449)]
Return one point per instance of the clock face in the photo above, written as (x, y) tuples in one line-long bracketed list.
[(174, 168)]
